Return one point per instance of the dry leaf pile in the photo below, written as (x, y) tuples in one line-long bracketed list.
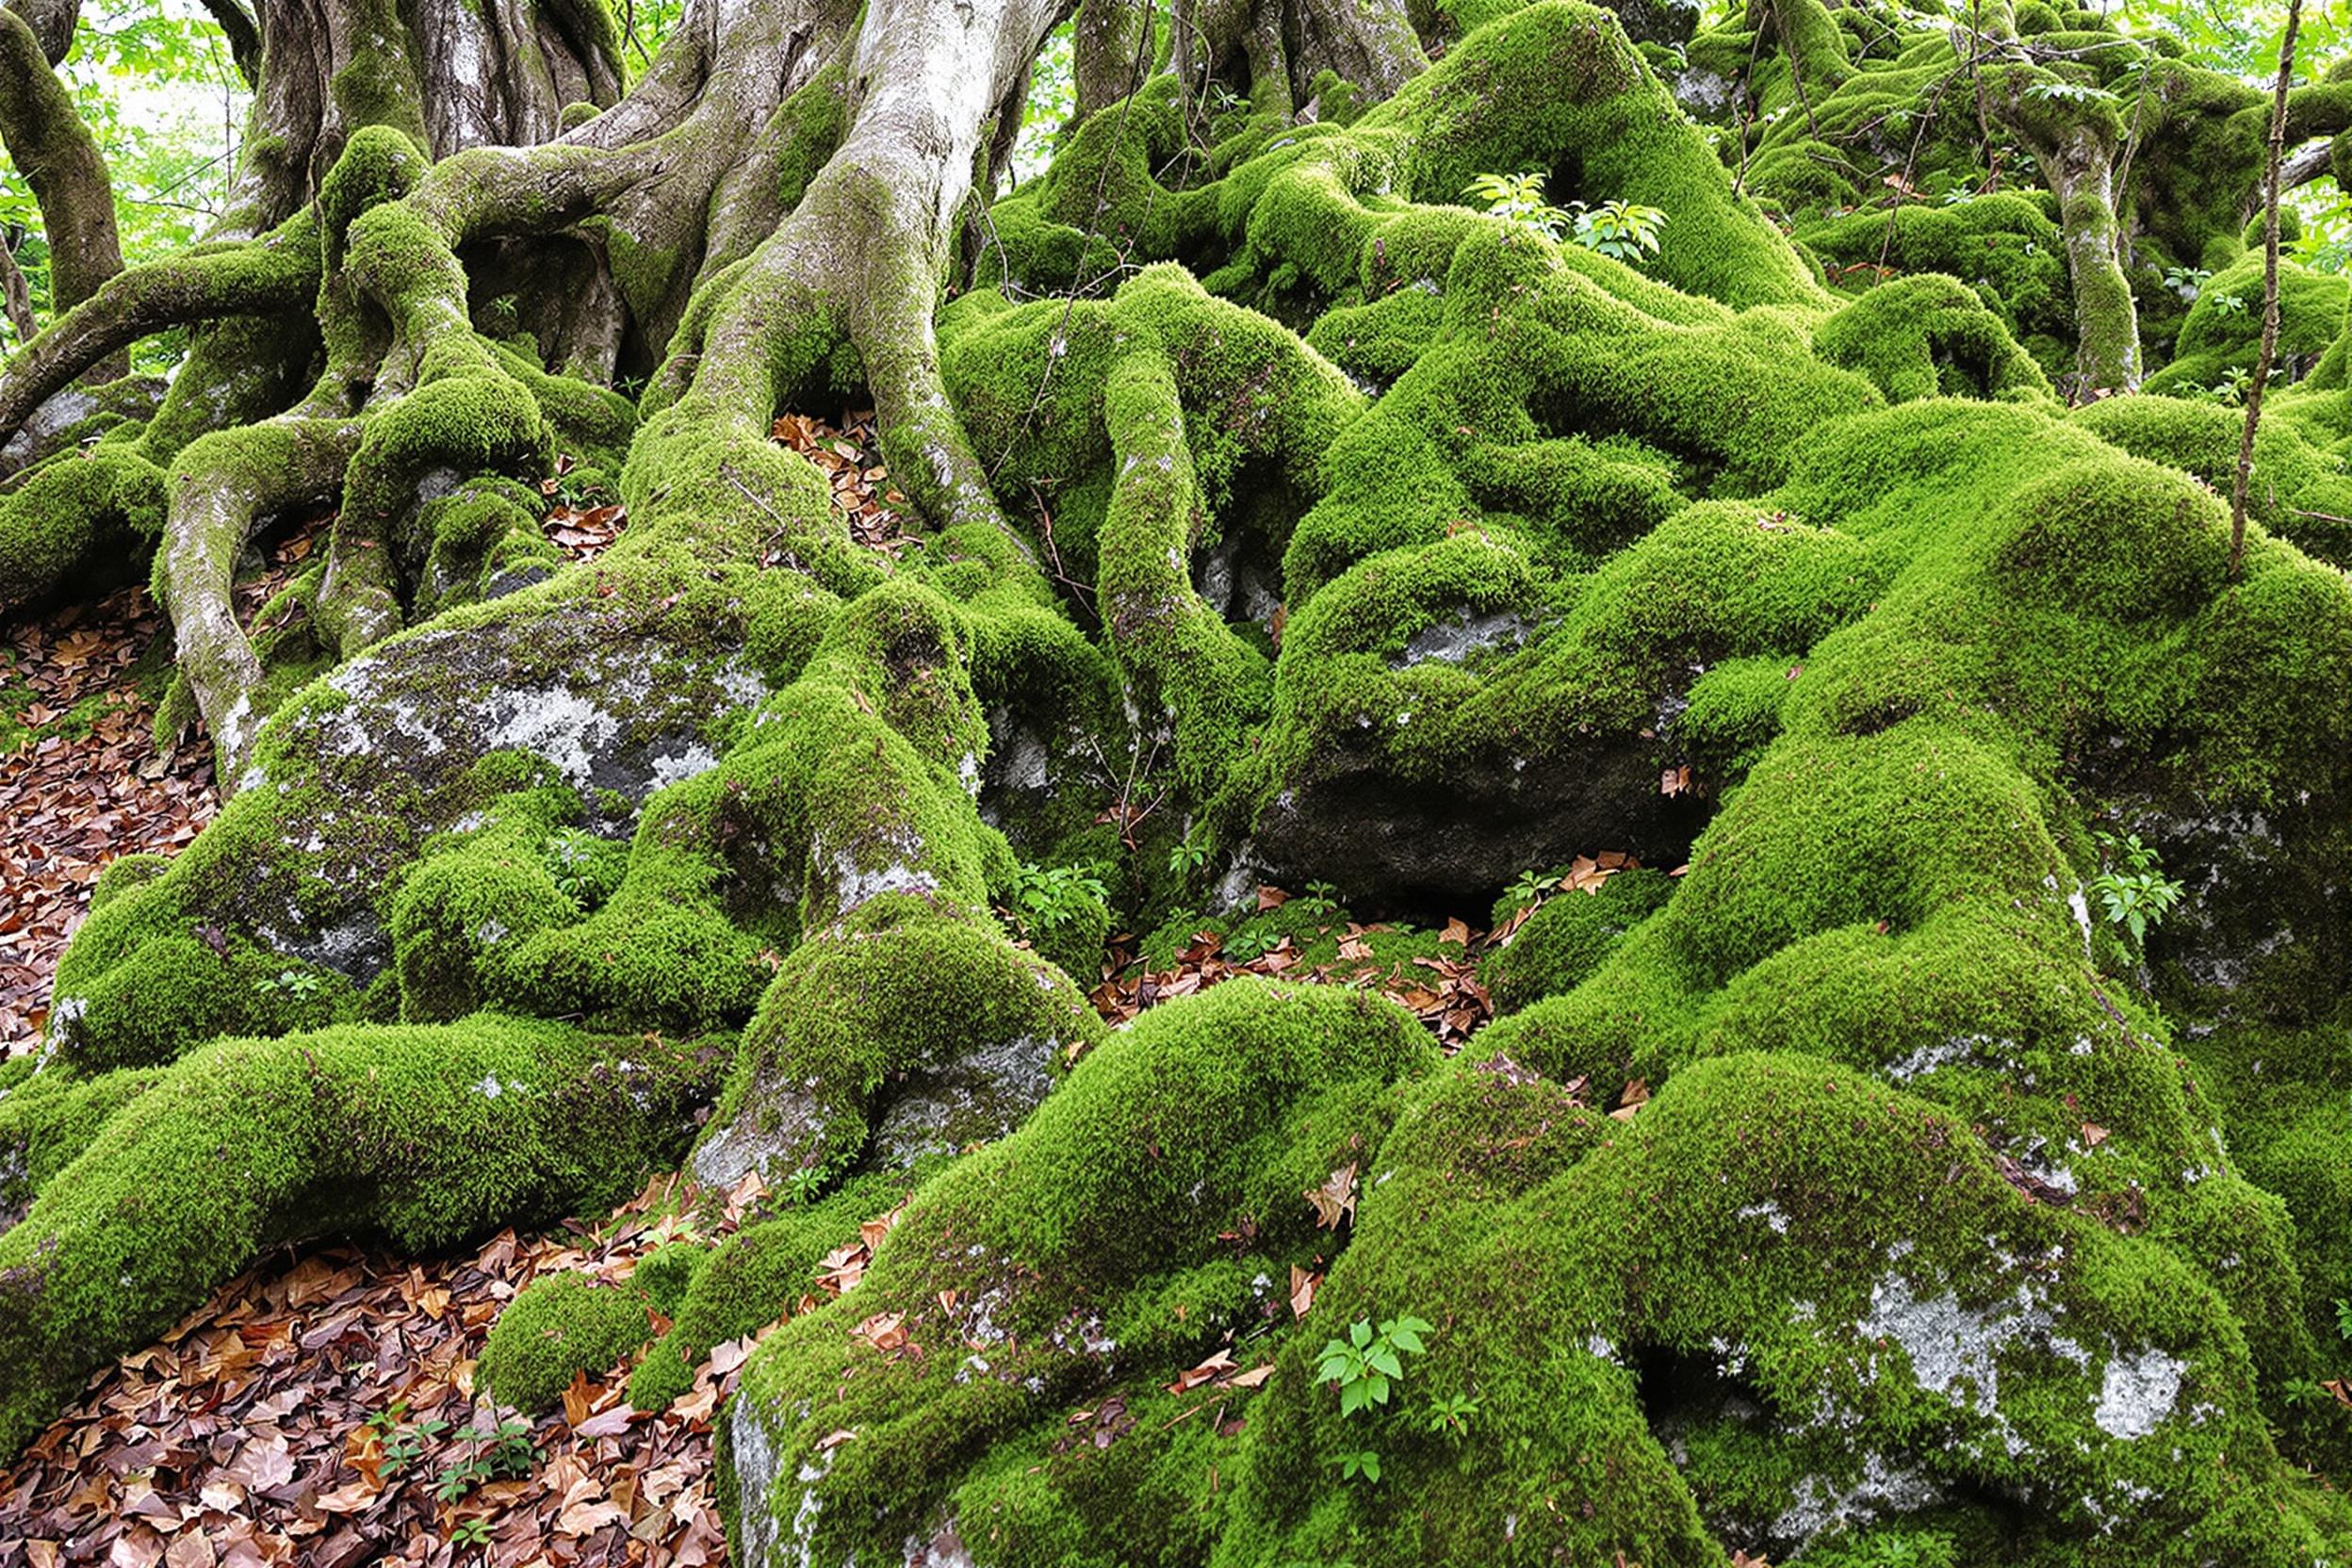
[(847, 455), (1443, 992), (75, 796), (244, 1439)]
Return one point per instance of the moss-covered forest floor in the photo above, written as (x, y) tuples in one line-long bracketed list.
[(270, 1426), (316, 1408)]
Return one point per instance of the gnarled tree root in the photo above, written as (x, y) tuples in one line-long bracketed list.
[(424, 1135)]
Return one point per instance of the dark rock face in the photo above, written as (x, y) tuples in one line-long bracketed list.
[(1395, 844), (1665, 22), (2261, 929)]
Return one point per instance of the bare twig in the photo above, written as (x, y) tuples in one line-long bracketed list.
[(2270, 290)]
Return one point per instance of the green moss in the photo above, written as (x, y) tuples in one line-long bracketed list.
[(2222, 332), (379, 164), (1117, 1181), (560, 1326), (80, 523), (423, 1135), (2295, 489), (1925, 336), (1568, 937), (758, 1275), (962, 1026), (668, 1272)]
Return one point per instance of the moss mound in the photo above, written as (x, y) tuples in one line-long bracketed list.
[(557, 1328)]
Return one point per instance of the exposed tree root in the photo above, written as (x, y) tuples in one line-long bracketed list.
[(1865, 1124), (426, 1134)]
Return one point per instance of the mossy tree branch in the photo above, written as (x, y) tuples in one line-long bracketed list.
[(272, 276), (60, 160)]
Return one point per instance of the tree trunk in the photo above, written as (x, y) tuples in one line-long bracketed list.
[(55, 152)]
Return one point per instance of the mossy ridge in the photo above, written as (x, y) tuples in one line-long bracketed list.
[(422, 1133), (1330, 206), (1060, 1246), (1869, 741)]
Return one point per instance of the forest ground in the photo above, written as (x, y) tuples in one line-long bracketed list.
[(292, 1418)]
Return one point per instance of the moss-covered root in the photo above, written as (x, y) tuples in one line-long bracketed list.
[(753, 1278), (221, 486), (903, 1031), (272, 276), (77, 518), (424, 1133), (1782, 1305), (1142, 1212)]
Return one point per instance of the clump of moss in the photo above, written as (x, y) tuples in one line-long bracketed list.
[(2222, 335), (80, 512), (1568, 936), (761, 1273), (901, 1032), (425, 1134), (559, 1327)]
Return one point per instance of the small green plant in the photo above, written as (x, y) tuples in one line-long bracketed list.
[(501, 1452), (571, 854), (1242, 946), (1449, 1417), (403, 1446), (1367, 1363), (1321, 900), (2132, 890), (806, 1184), (2230, 305), (1623, 231), (1045, 899), (1518, 199), (1188, 858), (1362, 1462), (575, 492), (472, 1530), (290, 982), (1534, 887), (2187, 282), (2068, 92), (2343, 1318)]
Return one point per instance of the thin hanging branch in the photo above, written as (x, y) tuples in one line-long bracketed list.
[(2270, 290), (16, 296)]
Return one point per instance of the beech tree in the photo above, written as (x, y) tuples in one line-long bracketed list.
[(1768, 541)]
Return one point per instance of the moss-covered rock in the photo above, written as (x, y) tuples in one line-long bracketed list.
[(557, 1327), (900, 1033)]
